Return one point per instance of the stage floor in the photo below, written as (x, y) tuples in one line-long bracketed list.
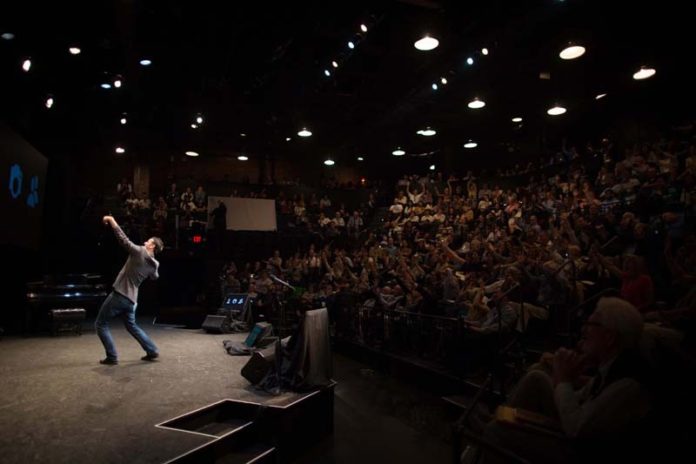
[(58, 404)]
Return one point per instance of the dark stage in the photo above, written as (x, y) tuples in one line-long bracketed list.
[(58, 404)]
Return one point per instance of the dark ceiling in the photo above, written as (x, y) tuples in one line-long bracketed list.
[(257, 68)]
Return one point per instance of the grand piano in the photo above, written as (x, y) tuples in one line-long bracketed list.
[(61, 291)]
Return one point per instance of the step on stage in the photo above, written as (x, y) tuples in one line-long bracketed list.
[(60, 405)]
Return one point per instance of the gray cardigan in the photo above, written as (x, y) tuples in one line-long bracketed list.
[(139, 266)]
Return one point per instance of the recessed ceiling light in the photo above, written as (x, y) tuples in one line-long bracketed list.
[(192, 153), (194, 126), (49, 102), (427, 132), (304, 133), (360, 158), (572, 52), (242, 158), (242, 134), (329, 162), (145, 62), (443, 81), (470, 61), (426, 43), (644, 73), (123, 121), (398, 152), (334, 64), (26, 65), (600, 96), (484, 50), (327, 73), (556, 110), (470, 144), (117, 83), (120, 150), (476, 104), (74, 50), (432, 167), (287, 139), (363, 28), (434, 86), (106, 85), (517, 119), (351, 45), (8, 35), (199, 119)]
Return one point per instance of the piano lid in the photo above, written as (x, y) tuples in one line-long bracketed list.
[(67, 287)]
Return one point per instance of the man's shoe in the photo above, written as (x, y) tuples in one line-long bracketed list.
[(150, 357), (109, 361)]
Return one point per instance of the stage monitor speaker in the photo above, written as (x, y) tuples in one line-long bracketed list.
[(259, 335), (216, 324), (259, 365)]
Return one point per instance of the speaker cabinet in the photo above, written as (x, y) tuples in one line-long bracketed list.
[(216, 324), (260, 364)]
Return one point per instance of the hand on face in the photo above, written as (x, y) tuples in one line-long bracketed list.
[(567, 365)]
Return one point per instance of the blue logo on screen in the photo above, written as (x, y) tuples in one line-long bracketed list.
[(33, 198), (235, 301), (15, 181), (15, 186)]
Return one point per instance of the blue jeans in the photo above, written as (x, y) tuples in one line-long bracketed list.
[(118, 305)]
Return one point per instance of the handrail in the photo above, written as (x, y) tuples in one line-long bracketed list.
[(428, 316)]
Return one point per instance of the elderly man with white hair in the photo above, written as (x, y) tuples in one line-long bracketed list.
[(590, 414)]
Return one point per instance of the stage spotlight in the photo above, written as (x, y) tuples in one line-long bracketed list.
[(427, 132), (571, 52), (426, 43), (644, 73), (476, 104)]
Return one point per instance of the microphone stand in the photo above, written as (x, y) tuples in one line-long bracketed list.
[(278, 301)]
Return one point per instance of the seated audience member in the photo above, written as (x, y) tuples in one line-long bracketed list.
[(592, 415)]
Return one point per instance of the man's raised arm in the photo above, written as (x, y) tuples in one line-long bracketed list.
[(121, 236)]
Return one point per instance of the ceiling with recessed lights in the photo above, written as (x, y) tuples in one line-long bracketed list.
[(222, 78)]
